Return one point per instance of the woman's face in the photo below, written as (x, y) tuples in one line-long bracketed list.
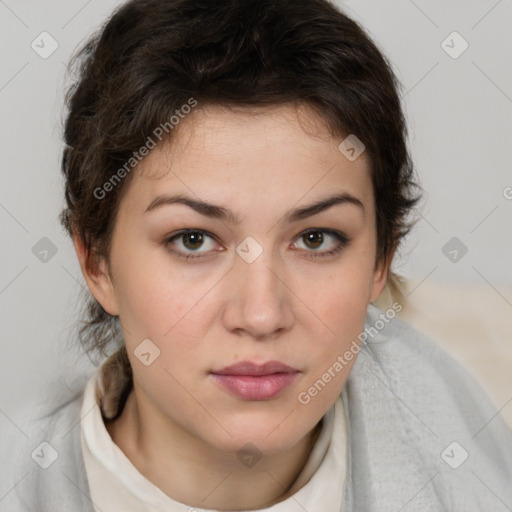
[(255, 286)]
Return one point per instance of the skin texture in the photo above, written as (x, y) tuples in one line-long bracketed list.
[(179, 427)]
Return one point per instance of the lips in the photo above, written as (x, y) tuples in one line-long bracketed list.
[(250, 368), (251, 381)]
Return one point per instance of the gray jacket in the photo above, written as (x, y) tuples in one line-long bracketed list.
[(422, 436)]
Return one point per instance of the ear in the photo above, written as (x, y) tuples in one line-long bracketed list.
[(380, 277), (97, 277)]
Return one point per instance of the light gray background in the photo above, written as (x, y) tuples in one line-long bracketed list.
[(460, 118)]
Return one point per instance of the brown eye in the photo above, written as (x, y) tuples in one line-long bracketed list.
[(193, 240), (314, 239), (187, 244)]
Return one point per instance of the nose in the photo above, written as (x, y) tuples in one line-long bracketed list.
[(259, 299)]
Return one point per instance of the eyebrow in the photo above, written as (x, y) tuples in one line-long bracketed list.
[(221, 213)]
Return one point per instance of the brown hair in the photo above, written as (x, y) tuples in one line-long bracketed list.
[(152, 56)]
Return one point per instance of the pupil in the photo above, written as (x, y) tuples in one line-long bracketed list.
[(193, 238), (315, 237)]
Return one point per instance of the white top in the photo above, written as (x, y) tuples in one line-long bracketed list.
[(115, 483)]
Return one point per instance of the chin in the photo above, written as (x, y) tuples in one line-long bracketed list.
[(263, 438)]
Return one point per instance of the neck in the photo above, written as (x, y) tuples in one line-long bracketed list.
[(193, 472)]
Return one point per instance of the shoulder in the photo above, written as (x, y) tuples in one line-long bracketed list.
[(419, 371), (416, 414), (400, 351), (42, 466)]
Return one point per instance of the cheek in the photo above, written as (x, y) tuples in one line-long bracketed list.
[(341, 296), (169, 309), (341, 306)]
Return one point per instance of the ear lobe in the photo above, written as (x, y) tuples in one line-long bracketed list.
[(380, 278), (96, 275)]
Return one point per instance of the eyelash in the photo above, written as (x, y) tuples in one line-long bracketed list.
[(340, 237)]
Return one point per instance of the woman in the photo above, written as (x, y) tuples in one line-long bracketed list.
[(237, 183)]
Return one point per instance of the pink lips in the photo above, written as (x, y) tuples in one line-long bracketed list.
[(251, 381)]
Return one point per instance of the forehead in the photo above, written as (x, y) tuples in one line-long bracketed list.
[(259, 157)]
